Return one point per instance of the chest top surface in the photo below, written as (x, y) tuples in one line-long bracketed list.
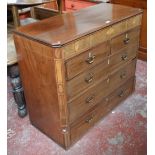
[(64, 28)]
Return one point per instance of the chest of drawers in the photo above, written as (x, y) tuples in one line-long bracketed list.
[(77, 67)]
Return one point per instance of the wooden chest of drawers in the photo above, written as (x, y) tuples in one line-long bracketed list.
[(77, 67)]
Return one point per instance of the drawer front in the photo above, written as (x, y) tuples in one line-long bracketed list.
[(134, 22), (105, 106), (125, 40), (99, 37), (87, 60), (69, 50), (87, 100), (125, 25), (124, 55), (82, 44), (87, 79), (85, 43), (117, 29), (120, 94), (76, 47), (76, 5), (122, 74)]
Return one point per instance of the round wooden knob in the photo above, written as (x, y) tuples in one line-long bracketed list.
[(72, 5)]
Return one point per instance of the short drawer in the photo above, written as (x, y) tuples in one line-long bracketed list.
[(121, 57), (117, 29), (134, 21), (127, 39), (124, 25), (87, 79), (76, 47), (76, 5), (69, 50), (95, 94), (99, 37), (79, 127), (87, 60)]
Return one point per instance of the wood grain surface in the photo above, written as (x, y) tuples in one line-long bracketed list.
[(75, 69)]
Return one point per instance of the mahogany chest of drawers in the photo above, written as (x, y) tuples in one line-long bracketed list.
[(77, 67)]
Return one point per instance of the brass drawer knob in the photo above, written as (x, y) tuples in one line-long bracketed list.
[(126, 41), (90, 119), (121, 94), (90, 99), (90, 78), (90, 59), (124, 57)]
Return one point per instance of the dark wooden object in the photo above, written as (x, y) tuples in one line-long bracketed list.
[(82, 65), (13, 71), (45, 11), (17, 89), (142, 54), (20, 4), (73, 5), (51, 9)]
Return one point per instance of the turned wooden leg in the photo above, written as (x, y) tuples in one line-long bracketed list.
[(17, 89), (15, 14), (60, 6)]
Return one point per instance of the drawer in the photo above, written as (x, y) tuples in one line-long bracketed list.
[(120, 94), (69, 50), (125, 25), (134, 22), (87, 79), (124, 55), (76, 47), (122, 74), (82, 44), (95, 94), (79, 127), (87, 60), (76, 5), (87, 100), (117, 29), (125, 40), (99, 37)]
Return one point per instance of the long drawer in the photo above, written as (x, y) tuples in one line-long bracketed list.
[(87, 79), (122, 74), (87, 60), (87, 100), (106, 105), (95, 94)]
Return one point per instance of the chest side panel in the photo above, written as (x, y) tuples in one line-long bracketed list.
[(41, 71)]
